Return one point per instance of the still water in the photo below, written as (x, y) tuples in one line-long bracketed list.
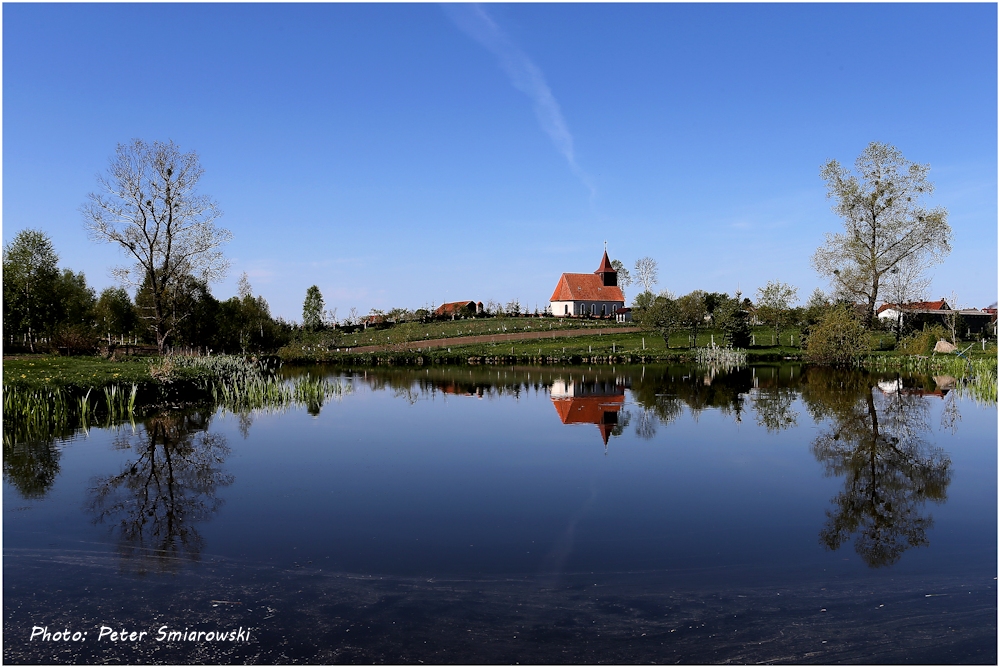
[(534, 515)]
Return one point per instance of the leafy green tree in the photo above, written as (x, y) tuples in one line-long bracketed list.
[(662, 316), (713, 300), (30, 279), (816, 307), (244, 323), (624, 277), (232, 328), (885, 223), (312, 309), (643, 301), (692, 312), (838, 338), (733, 318), (75, 300), (114, 313), (188, 312), (74, 303), (774, 305)]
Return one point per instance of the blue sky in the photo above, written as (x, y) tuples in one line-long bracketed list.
[(406, 155)]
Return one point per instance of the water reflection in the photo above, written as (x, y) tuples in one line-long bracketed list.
[(873, 433), (31, 466), (170, 485), (598, 402), (31, 454), (873, 428), (874, 438)]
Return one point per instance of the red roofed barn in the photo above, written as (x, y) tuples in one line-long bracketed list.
[(460, 309), (588, 294)]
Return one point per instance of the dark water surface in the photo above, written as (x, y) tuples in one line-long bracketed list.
[(484, 514)]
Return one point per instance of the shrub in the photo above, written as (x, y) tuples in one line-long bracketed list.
[(922, 342), (74, 340), (162, 369), (837, 338)]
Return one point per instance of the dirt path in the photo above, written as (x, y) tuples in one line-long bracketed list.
[(492, 338)]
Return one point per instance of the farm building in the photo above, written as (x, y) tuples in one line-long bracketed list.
[(458, 309), (917, 314), (891, 312), (594, 294)]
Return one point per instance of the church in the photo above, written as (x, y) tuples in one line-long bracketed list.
[(595, 294)]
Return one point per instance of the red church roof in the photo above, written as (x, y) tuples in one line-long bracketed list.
[(605, 265), (599, 410), (589, 287)]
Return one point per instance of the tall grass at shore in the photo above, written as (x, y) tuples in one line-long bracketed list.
[(273, 393), (716, 356), (51, 413), (980, 382), (976, 378), (233, 384)]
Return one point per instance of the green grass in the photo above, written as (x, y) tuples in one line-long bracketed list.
[(50, 397), (47, 371), (638, 343), (444, 329)]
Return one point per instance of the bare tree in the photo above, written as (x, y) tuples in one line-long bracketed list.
[(952, 320), (905, 284), (150, 208), (243, 288), (646, 273), (884, 223)]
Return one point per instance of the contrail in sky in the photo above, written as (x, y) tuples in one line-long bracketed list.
[(524, 75)]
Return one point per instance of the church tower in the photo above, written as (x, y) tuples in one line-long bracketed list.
[(609, 277)]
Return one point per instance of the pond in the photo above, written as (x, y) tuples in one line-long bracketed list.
[(534, 515)]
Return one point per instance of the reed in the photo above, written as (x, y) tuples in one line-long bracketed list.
[(273, 393), (229, 383), (981, 382), (977, 378), (722, 357)]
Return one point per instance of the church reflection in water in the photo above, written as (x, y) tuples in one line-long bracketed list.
[(597, 402)]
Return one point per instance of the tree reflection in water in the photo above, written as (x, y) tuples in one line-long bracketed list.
[(31, 454), (155, 503), (773, 408), (31, 466), (875, 440)]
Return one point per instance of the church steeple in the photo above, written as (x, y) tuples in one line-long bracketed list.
[(609, 277)]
